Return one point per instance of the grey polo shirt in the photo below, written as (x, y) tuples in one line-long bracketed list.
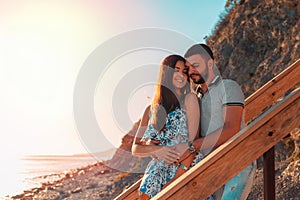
[(220, 93)]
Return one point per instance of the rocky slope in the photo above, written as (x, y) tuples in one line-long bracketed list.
[(256, 40)]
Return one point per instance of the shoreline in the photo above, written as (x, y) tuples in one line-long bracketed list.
[(94, 181), (38, 171), (51, 182), (26, 172)]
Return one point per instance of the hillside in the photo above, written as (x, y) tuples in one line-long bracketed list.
[(256, 40)]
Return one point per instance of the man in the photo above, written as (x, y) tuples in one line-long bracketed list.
[(222, 105)]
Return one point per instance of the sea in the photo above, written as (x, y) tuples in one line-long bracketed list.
[(23, 173)]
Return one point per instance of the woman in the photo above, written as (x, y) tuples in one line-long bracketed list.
[(172, 118)]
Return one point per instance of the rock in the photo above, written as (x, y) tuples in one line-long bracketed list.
[(81, 172), (92, 186), (227, 51), (77, 190)]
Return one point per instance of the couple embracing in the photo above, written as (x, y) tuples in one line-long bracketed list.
[(193, 112)]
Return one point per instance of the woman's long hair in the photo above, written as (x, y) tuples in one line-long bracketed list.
[(165, 99)]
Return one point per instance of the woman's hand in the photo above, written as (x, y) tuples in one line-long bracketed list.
[(168, 154), (181, 148), (185, 162)]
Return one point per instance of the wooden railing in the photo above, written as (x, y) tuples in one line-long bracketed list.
[(272, 91), (257, 139)]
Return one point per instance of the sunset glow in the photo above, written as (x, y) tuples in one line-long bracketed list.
[(43, 45)]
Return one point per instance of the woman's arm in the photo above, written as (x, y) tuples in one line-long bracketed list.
[(192, 109), (138, 149), (183, 167), (191, 106)]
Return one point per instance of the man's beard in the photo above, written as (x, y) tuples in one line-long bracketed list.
[(202, 78)]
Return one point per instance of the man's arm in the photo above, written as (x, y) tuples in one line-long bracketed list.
[(232, 116)]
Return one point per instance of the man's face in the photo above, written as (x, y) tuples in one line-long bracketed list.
[(198, 69)]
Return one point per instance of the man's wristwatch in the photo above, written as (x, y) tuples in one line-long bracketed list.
[(191, 148)]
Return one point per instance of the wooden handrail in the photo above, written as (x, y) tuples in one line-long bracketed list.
[(271, 91), (254, 106)]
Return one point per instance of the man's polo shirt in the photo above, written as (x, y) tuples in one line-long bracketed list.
[(220, 93)]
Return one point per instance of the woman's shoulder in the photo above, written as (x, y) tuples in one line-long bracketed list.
[(190, 97), (147, 110)]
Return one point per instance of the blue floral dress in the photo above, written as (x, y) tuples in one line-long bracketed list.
[(158, 173)]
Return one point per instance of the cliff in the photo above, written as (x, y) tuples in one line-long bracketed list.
[(256, 40)]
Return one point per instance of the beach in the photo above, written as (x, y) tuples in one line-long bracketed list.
[(27, 173), (95, 181)]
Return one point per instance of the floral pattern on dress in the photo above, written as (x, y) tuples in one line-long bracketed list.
[(175, 132), (158, 173)]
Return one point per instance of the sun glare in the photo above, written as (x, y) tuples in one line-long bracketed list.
[(42, 48)]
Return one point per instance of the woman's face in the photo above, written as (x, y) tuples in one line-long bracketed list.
[(180, 75)]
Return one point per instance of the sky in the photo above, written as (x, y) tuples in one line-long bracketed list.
[(44, 46)]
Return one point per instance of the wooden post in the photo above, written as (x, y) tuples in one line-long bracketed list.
[(269, 174)]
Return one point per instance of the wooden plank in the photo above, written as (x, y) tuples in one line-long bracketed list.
[(250, 143), (269, 174), (131, 193), (271, 91)]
